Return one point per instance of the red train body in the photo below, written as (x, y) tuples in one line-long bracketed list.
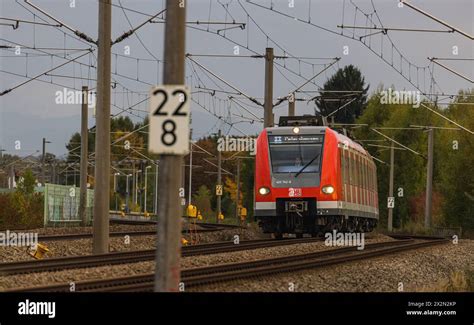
[(311, 179)]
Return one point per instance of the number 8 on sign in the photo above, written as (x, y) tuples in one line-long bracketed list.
[(169, 120)]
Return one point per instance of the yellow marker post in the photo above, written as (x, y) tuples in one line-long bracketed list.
[(40, 251), (191, 211)]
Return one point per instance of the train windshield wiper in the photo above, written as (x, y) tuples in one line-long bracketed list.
[(309, 163)]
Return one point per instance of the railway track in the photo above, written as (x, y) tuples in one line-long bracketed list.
[(207, 228), (406, 236), (89, 235), (62, 263), (117, 219), (229, 272)]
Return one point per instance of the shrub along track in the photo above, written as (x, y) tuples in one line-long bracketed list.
[(228, 272)]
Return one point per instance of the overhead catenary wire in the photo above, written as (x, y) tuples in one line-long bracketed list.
[(6, 91)]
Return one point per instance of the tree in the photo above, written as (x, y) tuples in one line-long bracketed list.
[(231, 187), (456, 154), (347, 79), (453, 176), (410, 169), (26, 184), (202, 199)]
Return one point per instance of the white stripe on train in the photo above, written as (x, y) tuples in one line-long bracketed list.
[(323, 205)]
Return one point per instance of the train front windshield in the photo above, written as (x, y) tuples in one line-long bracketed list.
[(295, 153)]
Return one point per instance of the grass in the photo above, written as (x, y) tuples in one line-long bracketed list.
[(412, 227), (459, 281)]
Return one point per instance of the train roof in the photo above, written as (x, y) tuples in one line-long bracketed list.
[(341, 138)]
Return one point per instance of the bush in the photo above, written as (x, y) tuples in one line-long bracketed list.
[(21, 211)]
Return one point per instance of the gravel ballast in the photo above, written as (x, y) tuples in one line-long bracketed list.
[(410, 271), (25, 280), (413, 269), (78, 247)]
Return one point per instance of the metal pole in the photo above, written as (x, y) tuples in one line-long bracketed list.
[(139, 188), (183, 180), (190, 171), (219, 180), (102, 139), (53, 176), (84, 154), (43, 163), (268, 105), (134, 182), (390, 186), (237, 195), (115, 191), (127, 195), (146, 185), (167, 275), (291, 105), (155, 201), (429, 180)]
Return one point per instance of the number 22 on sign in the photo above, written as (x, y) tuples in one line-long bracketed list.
[(169, 120)]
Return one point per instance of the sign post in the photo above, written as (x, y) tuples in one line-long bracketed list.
[(218, 190), (391, 202), (169, 137)]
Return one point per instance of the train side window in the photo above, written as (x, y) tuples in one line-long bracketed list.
[(353, 176), (374, 179), (364, 171), (367, 180), (357, 170), (346, 158), (342, 168), (370, 177), (349, 167), (341, 157)]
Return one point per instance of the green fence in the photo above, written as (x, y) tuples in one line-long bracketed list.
[(61, 205)]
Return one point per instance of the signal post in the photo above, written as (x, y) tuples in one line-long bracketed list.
[(169, 137)]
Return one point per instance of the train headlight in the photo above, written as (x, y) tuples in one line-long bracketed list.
[(264, 190), (296, 130), (328, 189)]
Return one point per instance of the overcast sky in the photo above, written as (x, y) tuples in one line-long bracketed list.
[(29, 113)]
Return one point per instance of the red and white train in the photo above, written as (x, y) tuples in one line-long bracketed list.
[(311, 179)]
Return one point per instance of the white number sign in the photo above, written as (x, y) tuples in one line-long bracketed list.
[(169, 120), (390, 202)]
